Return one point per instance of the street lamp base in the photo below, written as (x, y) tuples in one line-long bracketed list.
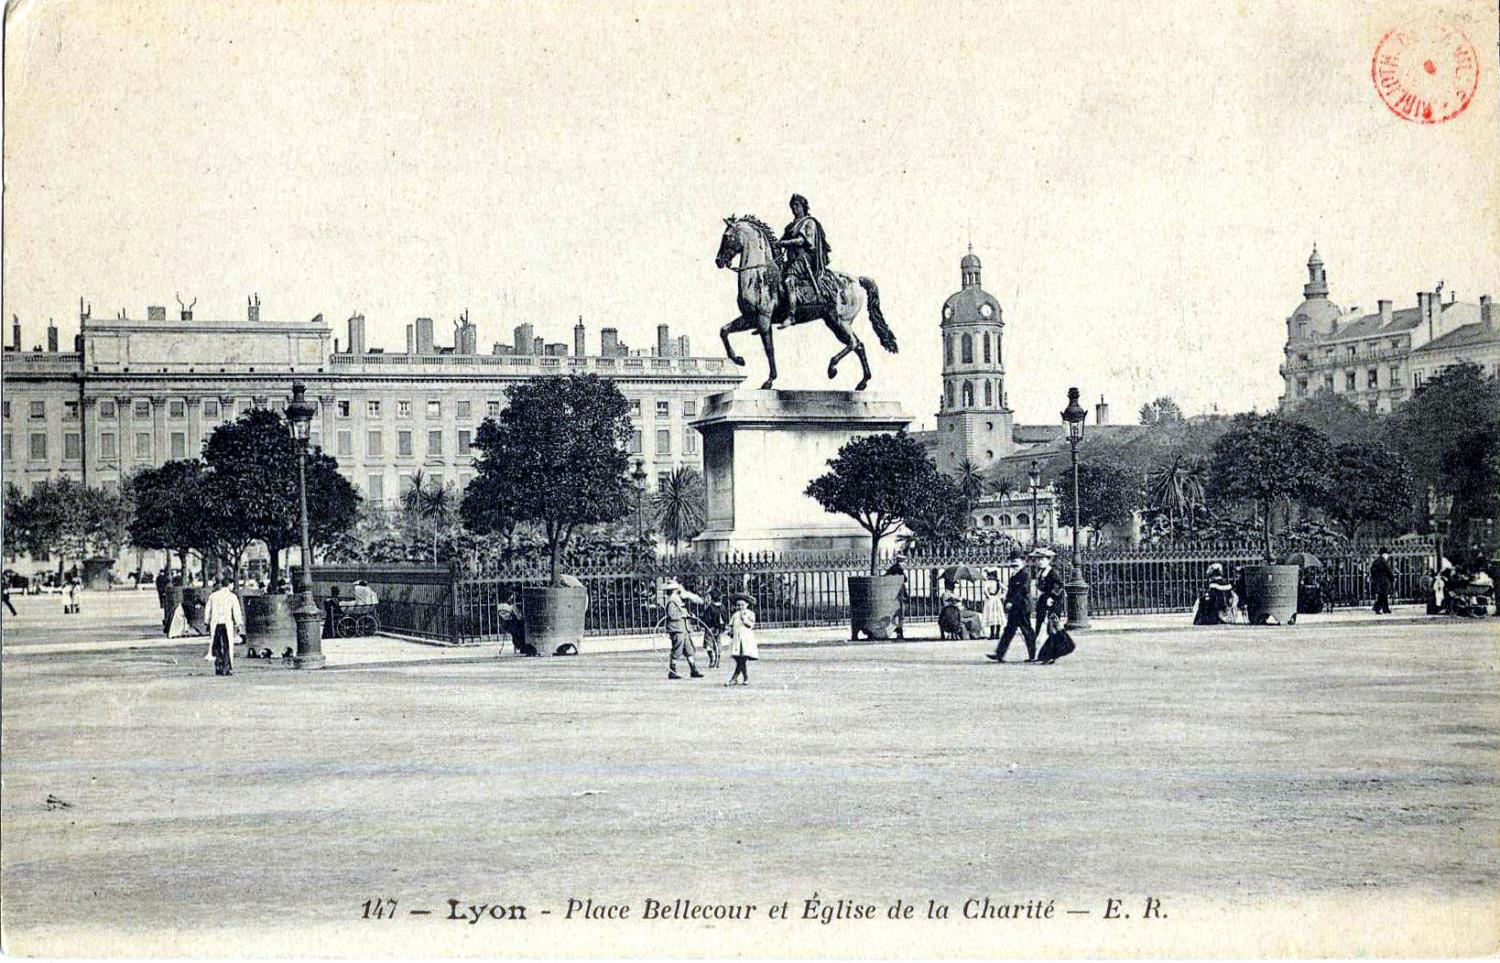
[(309, 633), (1078, 603)]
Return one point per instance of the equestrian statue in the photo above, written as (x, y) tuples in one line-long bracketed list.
[(787, 281)]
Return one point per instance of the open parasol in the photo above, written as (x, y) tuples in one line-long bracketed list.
[(1304, 559), (963, 573)]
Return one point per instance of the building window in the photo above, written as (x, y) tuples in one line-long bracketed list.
[(405, 482), (1352, 349), (403, 409), (663, 441), (465, 440), (374, 444), (345, 442), (989, 394), (177, 408), (950, 394), (143, 446), (988, 521), (107, 410), (435, 442), (372, 408), (1372, 378), (492, 408), (434, 409), (663, 479), (464, 409), (179, 445), (107, 448), (689, 441), (968, 392), (1374, 405), (38, 447), (663, 409), (6, 405), (966, 349), (7, 446), (70, 411), (315, 440), (986, 340), (948, 349), (635, 441), (635, 407), (1024, 519), (342, 408), (374, 489), (38, 410), (1301, 387), (211, 408), (1005, 521), (689, 409), (1348, 381), (403, 444), (1328, 382), (1395, 377)]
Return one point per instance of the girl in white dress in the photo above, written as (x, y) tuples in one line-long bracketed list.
[(994, 603), (742, 646)]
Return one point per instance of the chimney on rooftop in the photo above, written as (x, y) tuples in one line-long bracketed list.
[(1385, 311), (424, 336), (156, 312), (538, 345), (15, 332), (1101, 413), (411, 339), (1487, 311), (357, 334), (187, 309), (252, 309), (663, 341), (609, 342), (51, 335), (580, 347)]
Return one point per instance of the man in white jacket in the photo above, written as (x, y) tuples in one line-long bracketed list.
[(226, 623)]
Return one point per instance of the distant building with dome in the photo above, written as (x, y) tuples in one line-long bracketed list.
[(1378, 359), (974, 422)]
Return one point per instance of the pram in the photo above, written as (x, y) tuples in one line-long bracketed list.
[(351, 620)]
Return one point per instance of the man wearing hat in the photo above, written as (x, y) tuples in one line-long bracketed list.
[(1051, 599), (806, 250), (364, 595), (677, 631), (1018, 607), (898, 567)]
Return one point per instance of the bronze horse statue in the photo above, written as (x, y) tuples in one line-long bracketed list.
[(764, 303)]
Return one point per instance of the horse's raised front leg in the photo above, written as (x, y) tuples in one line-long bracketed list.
[(740, 323)]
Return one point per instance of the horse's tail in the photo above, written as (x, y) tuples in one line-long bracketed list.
[(877, 320)]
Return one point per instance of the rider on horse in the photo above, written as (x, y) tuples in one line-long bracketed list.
[(806, 249)]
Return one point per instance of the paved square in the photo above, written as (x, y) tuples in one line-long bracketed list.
[(1226, 764)]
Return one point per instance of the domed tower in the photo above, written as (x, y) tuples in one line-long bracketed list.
[(974, 421), (1316, 315)]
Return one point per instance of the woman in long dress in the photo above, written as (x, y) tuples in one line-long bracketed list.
[(742, 647), (1216, 606)]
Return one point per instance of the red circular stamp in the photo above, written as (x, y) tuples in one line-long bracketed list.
[(1425, 74)]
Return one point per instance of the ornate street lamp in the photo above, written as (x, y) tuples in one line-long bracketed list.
[(299, 414), (1077, 588), (1035, 477), (638, 478)]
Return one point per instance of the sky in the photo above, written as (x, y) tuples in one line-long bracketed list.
[(1143, 182)]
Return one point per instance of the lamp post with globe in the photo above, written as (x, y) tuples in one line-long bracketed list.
[(1077, 588), (1035, 477), (638, 479), (299, 414)]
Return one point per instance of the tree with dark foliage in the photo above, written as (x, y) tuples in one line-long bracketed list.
[(881, 481), (1266, 458), (1371, 483)]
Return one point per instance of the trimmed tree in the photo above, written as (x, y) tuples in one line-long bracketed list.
[(880, 481), (1107, 495), (557, 452), (1442, 431), (169, 508), (67, 519), (1265, 459), (254, 461), (1371, 484)]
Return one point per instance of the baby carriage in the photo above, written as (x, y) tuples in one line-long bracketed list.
[(352, 621), (708, 638)]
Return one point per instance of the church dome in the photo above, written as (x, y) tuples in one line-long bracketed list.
[(972, 304), (970, 262)]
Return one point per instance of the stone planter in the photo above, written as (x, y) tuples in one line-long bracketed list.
[(268, 623), (554, 616), (1271, 593), (873, 603), (96, 574)]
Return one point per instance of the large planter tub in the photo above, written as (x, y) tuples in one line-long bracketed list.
[(1271, 593), (874, 601), (268, 622), (554, 616)]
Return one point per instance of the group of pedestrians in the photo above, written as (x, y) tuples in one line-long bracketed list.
[(1033, 600), (737, 626)]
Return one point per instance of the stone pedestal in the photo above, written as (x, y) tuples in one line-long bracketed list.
[(760, 450)]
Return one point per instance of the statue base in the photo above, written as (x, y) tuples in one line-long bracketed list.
[(760, 451)]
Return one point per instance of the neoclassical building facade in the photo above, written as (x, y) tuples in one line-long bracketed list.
[(136, 392)]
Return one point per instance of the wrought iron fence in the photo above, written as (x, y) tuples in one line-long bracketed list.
[(811, 589)]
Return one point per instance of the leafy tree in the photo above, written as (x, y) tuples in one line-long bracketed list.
[(1177, 489), (880, 481), (254, 463), (67, 519), (168, 508), (1453, 412), (1107, 495), (970, 483), (1371, 483), (943, 514), (1472, 473), (557, 453), (1162, 411), (1267, 458), (679, 505), (1340, 420), (428, 509), (19, 525)]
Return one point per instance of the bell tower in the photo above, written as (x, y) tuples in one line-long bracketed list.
[(974, 418)]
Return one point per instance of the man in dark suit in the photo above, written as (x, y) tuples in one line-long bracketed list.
[(1382, 579), (1050, 597), (898, 567), (1018, 608)]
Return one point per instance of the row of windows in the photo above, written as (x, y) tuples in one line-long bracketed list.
[(966, 394), (212, 408), (966, 348), (664, 441), (1005, 521), (1352, 350)]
